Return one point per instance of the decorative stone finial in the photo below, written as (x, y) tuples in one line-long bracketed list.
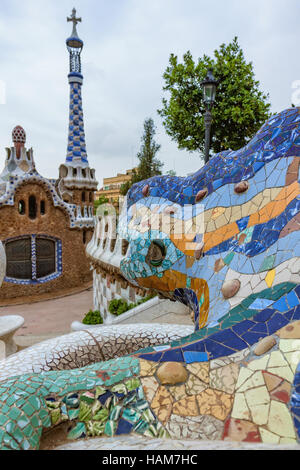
[(18, 135), (19, 139)]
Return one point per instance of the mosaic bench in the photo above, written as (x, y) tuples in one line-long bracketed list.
[(236, 264)]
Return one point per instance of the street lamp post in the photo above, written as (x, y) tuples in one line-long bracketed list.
[(209, 95)]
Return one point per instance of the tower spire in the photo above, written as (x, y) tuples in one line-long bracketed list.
[(74, 21), (76, 151), (76, 183)]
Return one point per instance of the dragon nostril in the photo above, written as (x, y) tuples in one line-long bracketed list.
[(156, 253)]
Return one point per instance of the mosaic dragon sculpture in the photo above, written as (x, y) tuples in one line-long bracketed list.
[(236, 263)]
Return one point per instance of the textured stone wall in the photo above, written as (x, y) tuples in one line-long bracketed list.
[(55, 222)]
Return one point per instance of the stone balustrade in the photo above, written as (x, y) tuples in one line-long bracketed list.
[(105, 251)]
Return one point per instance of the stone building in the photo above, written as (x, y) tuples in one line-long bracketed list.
[(112, 185), (45, 224)]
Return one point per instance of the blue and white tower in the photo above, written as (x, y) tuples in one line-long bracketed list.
[(76, 137), (75, 173)]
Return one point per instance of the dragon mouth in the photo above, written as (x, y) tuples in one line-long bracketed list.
[(156, 253)]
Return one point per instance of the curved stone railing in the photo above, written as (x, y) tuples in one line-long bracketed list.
[(105, 251), (81, 348)]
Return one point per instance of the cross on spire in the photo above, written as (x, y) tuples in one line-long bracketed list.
[(74, 21)]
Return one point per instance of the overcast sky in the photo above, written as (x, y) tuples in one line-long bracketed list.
[(127, 44)]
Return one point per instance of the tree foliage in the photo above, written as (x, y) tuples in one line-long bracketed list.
[(149, 164), (101, 200), (240, 108)]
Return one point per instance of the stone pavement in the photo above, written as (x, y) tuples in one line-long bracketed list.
[(50, 318), (147, 444)]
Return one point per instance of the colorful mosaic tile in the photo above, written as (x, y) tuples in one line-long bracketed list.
[(237, 267)]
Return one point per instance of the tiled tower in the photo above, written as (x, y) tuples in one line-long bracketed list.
[(77, 181)]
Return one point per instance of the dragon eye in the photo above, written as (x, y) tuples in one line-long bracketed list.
[(156, 253)]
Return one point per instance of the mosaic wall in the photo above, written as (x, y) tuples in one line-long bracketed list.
[(76, 137), (236, 263)]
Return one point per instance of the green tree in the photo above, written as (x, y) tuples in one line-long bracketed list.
[(240, 108), (149, 164), (98, 202)]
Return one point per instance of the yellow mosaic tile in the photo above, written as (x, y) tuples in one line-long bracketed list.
[(259, 364), (284, 372), (287, 440), (288, 345), (260, 413), (293, 359), (200, 370), (268, 437), (270, 277), (244, 374), (255, 380), (291, 330), (217, 212), (194, 386), (215, 403), (240, 409), (277, 359), (162, 404), (257, 396), (187, 406), (225, 378), (280, 421), (147, 367), (150, 386), (177, 391)]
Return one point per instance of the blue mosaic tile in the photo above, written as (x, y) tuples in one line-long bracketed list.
[(195, 356)]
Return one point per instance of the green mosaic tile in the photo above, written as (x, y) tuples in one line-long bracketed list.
[(36, 422), (87, 397), (45, 418), (95, 428), (13, 414), (78, 431), (23, 422), (110, 428), (141, 405), (228, 258), (141, 426), (21, 386), (101, 415), (267, 263), (10, 427), (18, 435), (10, 401), (131, 415), (28, 431), (148, 416), (55, 416), (35, 402), (85, 412), (71, 400), (119, 388), (34, 441), (100, 391), (115, 413), (28, 409), (3, 419), (96, 406), (11, 443), (132, 384), (129, 398), (73, 413)]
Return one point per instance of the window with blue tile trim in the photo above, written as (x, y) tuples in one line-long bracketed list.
[(33, 259)]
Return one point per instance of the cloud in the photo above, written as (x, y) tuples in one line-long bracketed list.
[(127, 47)]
